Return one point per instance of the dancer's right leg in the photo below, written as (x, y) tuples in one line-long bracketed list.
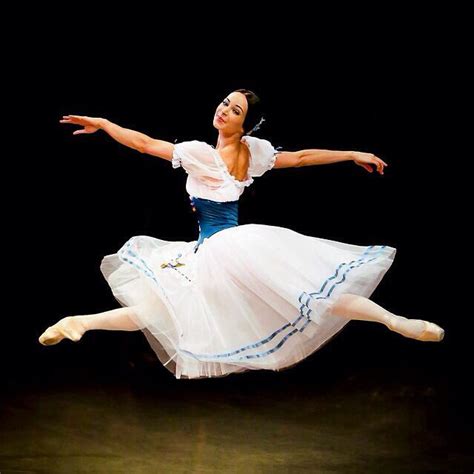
[(74, 327)]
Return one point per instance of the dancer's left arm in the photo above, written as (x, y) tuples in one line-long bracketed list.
[(297, 159)]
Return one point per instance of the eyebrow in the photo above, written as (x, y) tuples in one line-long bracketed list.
[(237, 105)]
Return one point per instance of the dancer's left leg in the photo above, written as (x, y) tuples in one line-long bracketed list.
[(352, 306)]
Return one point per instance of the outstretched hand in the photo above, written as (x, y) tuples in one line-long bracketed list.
[(367, 159), (90, 124)]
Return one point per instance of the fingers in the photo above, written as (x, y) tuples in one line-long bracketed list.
[(78, 132), (368, 160), (379, 164), (365, 166), (77, 119)]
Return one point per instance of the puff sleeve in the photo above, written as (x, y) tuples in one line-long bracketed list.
[(194, 157), (263, 155), (197, 159)]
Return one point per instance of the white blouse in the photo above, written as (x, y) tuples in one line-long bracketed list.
[(208, 176)]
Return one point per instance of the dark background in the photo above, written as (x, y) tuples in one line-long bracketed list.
[(388, 86), (388, 80)]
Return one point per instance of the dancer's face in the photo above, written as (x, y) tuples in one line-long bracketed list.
[(230, 113)]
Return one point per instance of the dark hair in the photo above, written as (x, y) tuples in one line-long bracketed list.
[(254, 111)]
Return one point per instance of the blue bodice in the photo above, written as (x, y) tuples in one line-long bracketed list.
[(214, 216)]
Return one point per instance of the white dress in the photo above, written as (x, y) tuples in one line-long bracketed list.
[(247, 297)]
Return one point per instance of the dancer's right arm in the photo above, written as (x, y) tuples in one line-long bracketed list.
[(131, 138)]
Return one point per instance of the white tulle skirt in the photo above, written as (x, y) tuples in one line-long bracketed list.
[(252, 297)]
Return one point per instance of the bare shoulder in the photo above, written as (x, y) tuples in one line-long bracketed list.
[(244, 150)]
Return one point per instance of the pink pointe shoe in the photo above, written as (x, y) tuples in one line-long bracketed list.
[(411, 328), (67, 327), (432, 332)]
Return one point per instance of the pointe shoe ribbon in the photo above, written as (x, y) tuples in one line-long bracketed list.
[(432, 332)]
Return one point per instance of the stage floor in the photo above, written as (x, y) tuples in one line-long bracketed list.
[(373, 420)]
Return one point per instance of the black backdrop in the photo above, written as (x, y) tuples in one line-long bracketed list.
[(77, 198)]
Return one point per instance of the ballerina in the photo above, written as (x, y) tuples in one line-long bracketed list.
[(240, 297)]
